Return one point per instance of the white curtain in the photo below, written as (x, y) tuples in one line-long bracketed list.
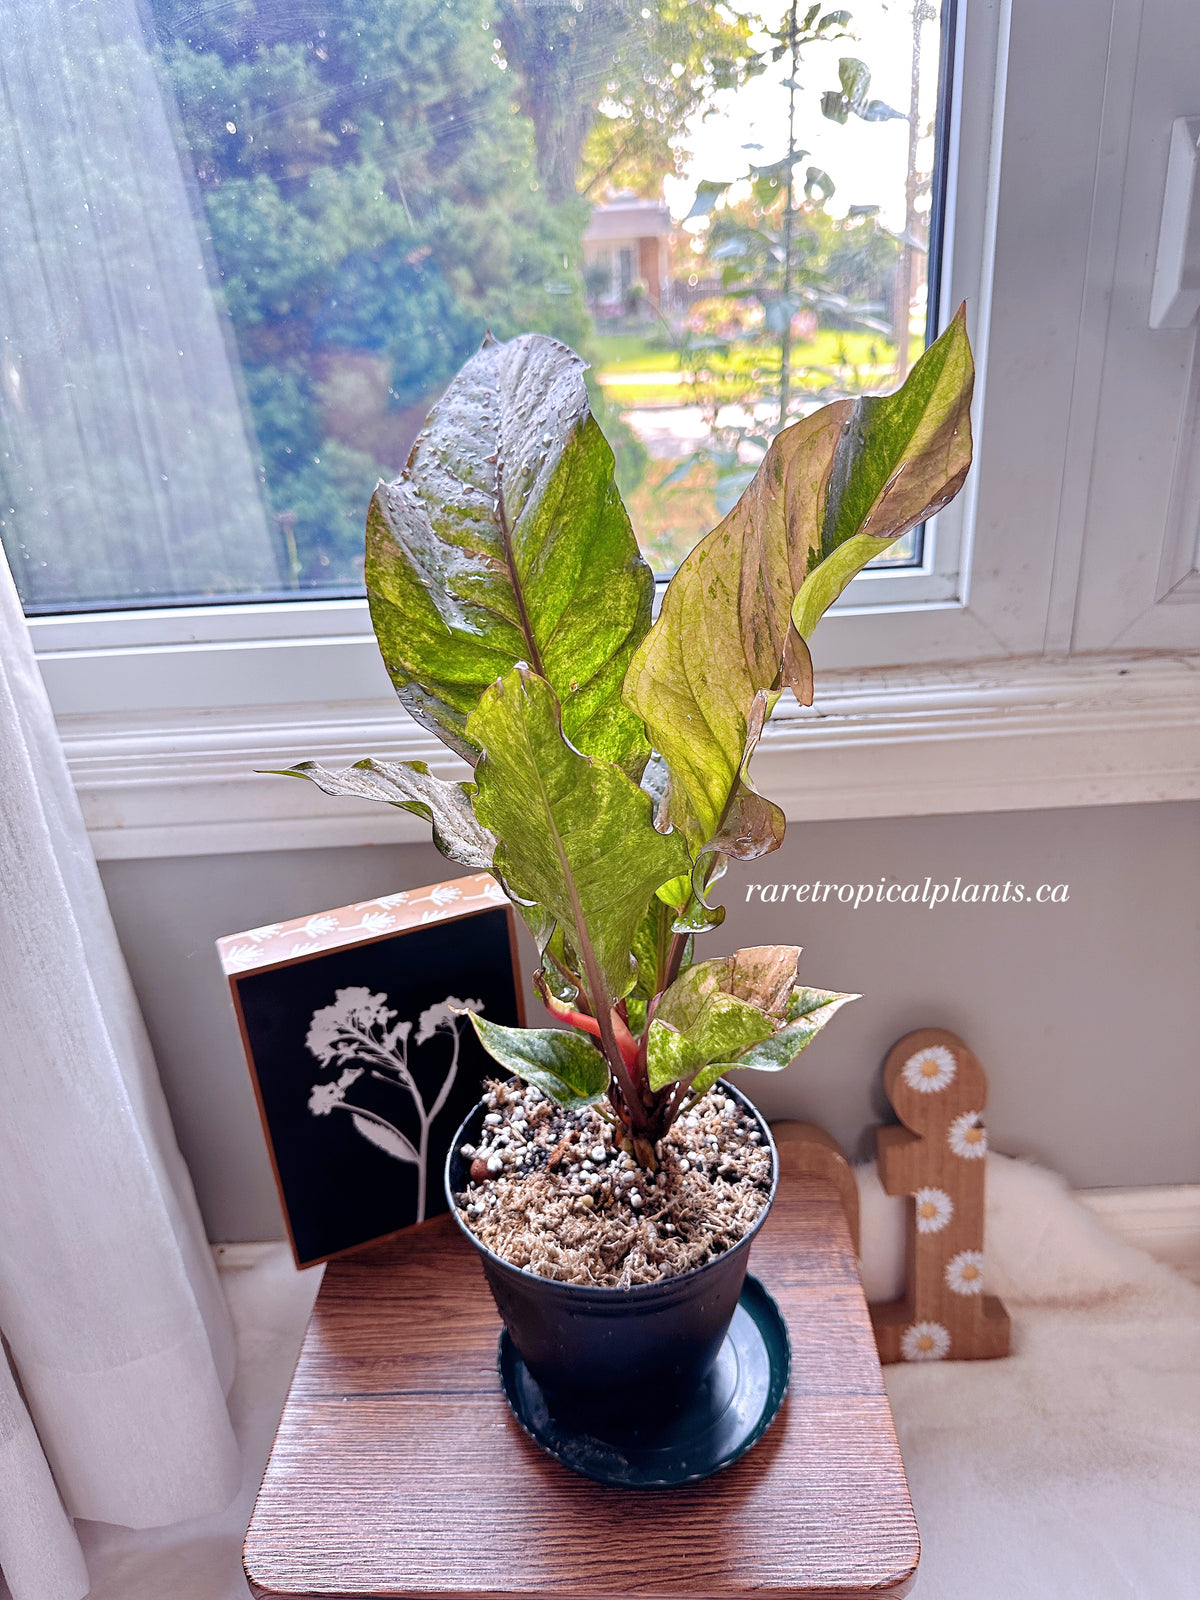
[(109, 1302)]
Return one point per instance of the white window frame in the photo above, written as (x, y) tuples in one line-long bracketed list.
[(166, 712)]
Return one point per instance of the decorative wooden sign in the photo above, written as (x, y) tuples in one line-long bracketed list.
[(939, 1090), (362, 1060)]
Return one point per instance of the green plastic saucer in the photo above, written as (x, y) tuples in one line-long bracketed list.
[(731, 1410)]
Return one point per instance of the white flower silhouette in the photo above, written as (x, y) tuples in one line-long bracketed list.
[(444, 1015), (377, 921), (968, 1136), (326, 1096), (261, 934), (320, 924), (933, 1209), (445, 894), (925, 1341), (929, 1070), (239, 956), (964, 1272), (361, 1026)]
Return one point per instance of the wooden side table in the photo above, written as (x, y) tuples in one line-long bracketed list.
[(399, 1471)]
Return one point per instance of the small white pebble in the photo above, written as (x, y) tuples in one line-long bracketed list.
[(685, 1165), (756, 1138), (598, 1153), (492, 1119), (466, 1149), (495, 1165), (588, 1166), (635, 1199), (668, 1227)]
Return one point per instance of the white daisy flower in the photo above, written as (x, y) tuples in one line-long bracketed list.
[(964, 1272), (933, 1208), (968, 1136), (925, 1341), (444, 894), (929, 1070)]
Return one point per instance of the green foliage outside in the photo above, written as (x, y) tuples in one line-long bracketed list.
[(370, 190)]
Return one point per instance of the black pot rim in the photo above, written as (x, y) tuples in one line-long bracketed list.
[(599, 1291)]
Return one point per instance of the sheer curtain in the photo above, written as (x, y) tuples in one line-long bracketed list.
[(109, 1303)]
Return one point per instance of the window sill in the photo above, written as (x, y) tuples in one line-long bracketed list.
[(1013, 734)]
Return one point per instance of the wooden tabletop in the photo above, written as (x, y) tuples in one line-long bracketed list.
[(398, 1469)]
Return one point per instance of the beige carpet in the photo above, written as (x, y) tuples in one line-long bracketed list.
[(1069, 1471)]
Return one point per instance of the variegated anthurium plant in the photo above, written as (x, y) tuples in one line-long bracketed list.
[(611, 755)]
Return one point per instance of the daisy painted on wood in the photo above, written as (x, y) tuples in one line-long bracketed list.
[(925, 1341), (929, 1070), (964, 1272), (968, 1136), (933, 1209)]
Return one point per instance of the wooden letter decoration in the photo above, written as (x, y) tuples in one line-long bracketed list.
[(939, 1090)]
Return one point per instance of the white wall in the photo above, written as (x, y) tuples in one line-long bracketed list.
[(1086, 1015)]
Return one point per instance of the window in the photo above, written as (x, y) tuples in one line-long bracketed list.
[(249, 245), (193, 409)]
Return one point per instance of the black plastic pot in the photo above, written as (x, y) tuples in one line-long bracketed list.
[(645, 1349)]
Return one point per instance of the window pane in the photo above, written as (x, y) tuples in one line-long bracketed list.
[(247, 245)]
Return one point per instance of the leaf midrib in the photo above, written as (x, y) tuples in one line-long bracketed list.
[(535, 655)]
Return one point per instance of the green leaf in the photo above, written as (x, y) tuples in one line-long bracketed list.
[(505, 540), (566, 1066), (808, 1012), (752, 825), (412, 787), (651, 950), (818, 182), (722, 1030), (899, 458), (855, 78), (574, 835), (717, 1009), (708, 192), (735, 592), (862, 470), (763, 975)]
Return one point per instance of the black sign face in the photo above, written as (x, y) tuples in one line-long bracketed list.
[(366, 1064)]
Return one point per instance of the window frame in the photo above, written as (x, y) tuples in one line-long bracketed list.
[(993, 602)]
